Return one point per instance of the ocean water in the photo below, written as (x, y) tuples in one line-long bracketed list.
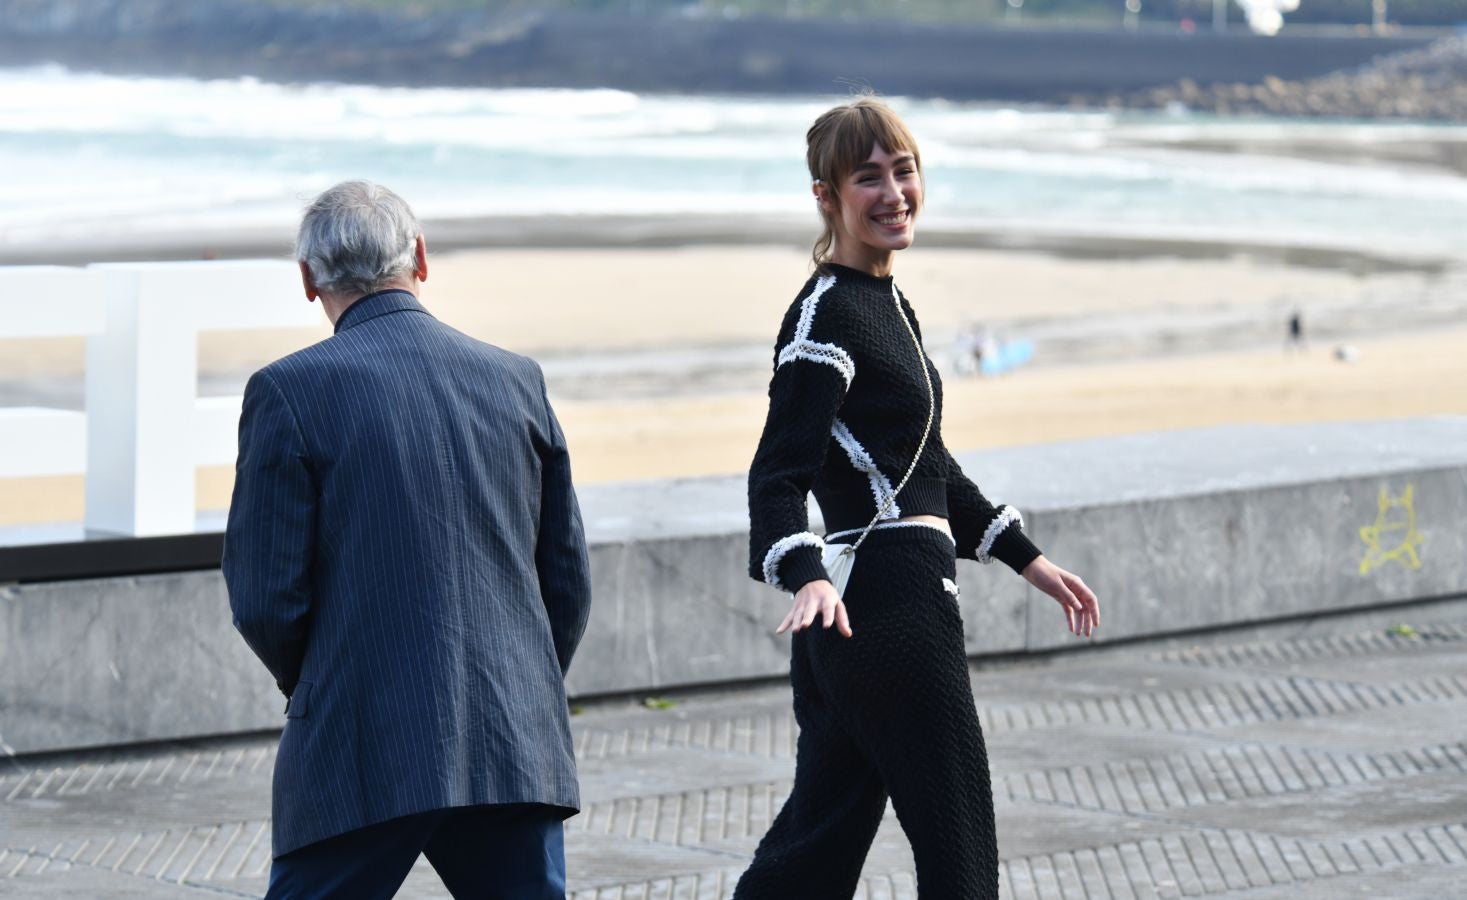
[(90, 158)]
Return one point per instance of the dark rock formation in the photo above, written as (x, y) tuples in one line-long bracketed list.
[(1428, 83), (669, 53)]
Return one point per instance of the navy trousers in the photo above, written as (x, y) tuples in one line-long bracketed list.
[(508, 852)]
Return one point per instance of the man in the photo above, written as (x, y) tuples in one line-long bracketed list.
[(405, 555)]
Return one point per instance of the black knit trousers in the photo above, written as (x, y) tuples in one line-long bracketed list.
[(888, 711)]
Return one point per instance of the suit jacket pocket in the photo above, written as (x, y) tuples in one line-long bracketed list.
[(300, 701)]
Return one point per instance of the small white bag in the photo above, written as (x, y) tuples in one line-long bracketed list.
[(839, 559)]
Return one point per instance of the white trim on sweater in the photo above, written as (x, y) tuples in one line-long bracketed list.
[(776, 554), (861, 460), (884, 525), (801, 347), (1008, 516)]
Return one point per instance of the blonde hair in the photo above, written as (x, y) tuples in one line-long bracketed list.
[(839, 141)]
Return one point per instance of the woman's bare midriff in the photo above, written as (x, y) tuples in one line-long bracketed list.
[(935, 521)]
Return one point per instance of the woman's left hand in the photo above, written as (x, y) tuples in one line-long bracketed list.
[(1082, 609)]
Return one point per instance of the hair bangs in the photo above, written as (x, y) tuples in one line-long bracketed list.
[(862, 126)]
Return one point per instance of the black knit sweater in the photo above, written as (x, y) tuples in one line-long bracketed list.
[(846, 408)]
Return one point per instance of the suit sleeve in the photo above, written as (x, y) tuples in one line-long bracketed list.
[(269, 542), (984, 532), (560, 549)]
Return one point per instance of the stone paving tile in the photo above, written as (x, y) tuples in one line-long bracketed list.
[(1035, 829), (95, 884), (1368, 731), (1068, 678), (727, 818), (1423, 662), (768, 732), (1362, 809), (1216, 776), (1326, 765), (1361, 645), (1067, 746), (605, 860), (673, 770), (220, 852), (1421, 882)]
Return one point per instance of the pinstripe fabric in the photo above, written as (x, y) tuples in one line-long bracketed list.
[(405, 555)]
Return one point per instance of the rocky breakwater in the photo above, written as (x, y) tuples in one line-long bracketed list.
[(519, 45), (1430, 83)]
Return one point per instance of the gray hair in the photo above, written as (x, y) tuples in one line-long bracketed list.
[(357, 237)]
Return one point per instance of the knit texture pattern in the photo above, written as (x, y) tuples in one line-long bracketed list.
[(886, 712), (847, 404)]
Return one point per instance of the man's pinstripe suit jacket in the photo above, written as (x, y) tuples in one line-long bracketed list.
[(405, 555)]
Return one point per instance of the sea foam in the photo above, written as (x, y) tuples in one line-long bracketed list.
[(93, 157)]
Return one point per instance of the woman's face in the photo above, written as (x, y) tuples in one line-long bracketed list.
[(877, 209)]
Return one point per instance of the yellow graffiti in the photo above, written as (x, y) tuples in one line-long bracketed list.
[(1388, 525)]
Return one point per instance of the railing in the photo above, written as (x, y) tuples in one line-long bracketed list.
[(145, 428)]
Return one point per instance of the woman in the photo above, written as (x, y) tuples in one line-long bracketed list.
[(881, 690)]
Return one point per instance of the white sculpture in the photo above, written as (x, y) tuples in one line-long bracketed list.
[(145, 428), (1266, 17)]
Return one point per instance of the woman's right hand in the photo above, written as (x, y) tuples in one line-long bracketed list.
[(818, 598), (1082, 609)]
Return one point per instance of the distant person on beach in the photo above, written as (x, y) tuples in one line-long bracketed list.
[(969, 348), (1295, 339), (405, 555), (881, 689)]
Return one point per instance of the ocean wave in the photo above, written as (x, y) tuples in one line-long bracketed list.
[(162, 154)]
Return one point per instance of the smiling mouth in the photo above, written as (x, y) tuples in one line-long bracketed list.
[(892, 219)]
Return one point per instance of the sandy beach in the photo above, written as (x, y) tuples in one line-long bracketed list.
[(577, 300), (1400, 377), (574, 304)]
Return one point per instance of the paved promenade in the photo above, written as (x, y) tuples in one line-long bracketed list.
[(1323, 760)]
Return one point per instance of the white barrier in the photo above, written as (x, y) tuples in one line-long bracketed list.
[(50, 301), (40, 441), (145, 428), (46, 301)]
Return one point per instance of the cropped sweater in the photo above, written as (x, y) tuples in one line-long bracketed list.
[(847, 404)]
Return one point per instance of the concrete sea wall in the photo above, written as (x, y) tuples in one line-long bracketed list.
[(1175, 531)]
